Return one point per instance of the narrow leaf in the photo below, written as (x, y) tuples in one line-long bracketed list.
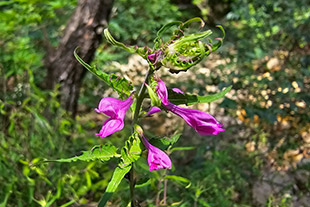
[(195, 19), (180, 180), (210, 98), (160, 32), (148, 182), (68, 203), (219, 39), (117, 177), (103, 153), (188, 99), (181, 149), (111, 40), (121, 85)]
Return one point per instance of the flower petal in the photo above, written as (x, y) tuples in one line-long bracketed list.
[(154, 57), (157, 159), (116, 110), (112, 106), (107, 106), (162, 92), (110, 126), (202, 122), (177, 90), (153, 110)]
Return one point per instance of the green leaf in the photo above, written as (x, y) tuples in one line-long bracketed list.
[(148, 182), (8, 192), (164, 143), (68, 203), (121, 85), (181, 149), (188, 99), (195, 19), (131, 152), (155, 101), (220, 39), (117, 177), (103, 153), (111, 40), (180, 180), (160, 32)]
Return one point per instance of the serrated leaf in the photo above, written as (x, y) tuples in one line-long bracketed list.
[(180, 180), (131, 151), (188, 99), (117, 177), (129, 154), (121, 85), (103, 153)]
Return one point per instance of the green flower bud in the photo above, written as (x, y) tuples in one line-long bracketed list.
[(178, 54), (138, 129), (186, 52), (155, 101), (182, 51)]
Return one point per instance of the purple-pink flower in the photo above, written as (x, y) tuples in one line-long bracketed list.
[(177, 90), (157, 159), (116, 110), (155, 57), (153, 110), (202, 122)]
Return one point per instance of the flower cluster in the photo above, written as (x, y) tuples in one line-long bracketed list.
[(178, 54), (202, 122)]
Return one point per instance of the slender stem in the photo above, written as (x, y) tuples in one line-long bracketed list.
[(132, 187), (140, 98), (158, 193), (165, 192)]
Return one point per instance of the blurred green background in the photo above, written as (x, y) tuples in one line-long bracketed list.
[(262, 159)]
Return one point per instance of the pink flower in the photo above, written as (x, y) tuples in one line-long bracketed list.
[(116, 110), (177, 90), (153, 110), (155, 57), (202, 122), (157, 159)]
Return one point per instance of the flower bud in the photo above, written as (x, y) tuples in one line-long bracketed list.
[(138, 129), (155, 101), (186, 52)]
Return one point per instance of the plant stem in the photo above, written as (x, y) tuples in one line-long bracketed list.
[(132, 186), (140, 98), (158, 193), (165, 192)]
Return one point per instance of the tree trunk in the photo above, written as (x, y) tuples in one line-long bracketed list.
[(84, 30)]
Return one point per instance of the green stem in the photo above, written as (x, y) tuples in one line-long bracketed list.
[(140, 99), (141, 96), (132, 186)]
